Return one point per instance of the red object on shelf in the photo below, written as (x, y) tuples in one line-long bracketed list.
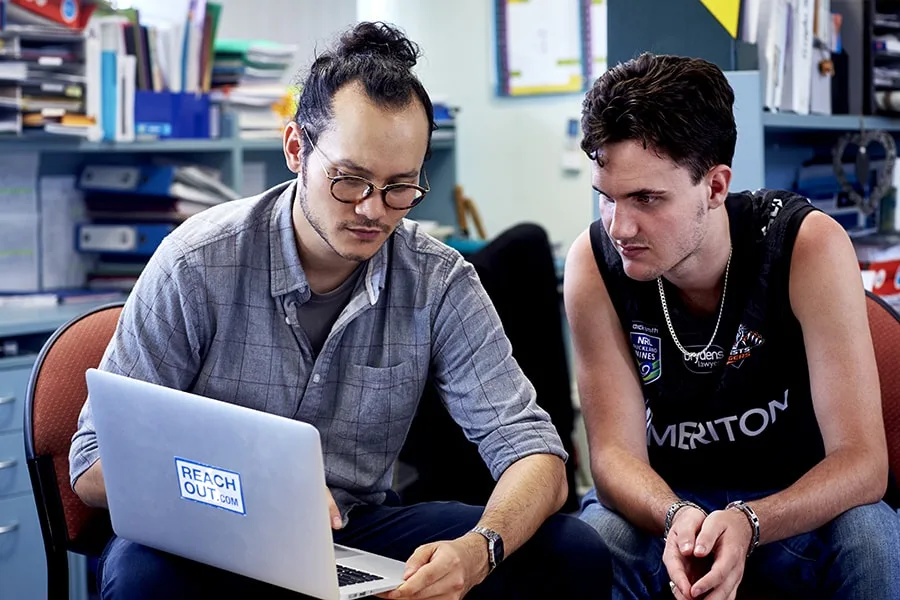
[(886, 276), (73, 14)]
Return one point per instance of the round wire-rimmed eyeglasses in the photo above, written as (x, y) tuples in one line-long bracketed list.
[(352, 189)]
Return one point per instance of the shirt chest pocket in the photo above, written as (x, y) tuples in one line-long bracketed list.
[(382, 400)]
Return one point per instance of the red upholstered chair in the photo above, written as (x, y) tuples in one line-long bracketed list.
[(55, 395), (884, 324)]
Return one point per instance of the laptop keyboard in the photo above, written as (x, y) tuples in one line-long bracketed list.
[(348, 576)]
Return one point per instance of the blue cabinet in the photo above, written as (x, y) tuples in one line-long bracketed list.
[(21, 548), (23, 571)]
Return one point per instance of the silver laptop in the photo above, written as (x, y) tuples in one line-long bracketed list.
[(225, 485)]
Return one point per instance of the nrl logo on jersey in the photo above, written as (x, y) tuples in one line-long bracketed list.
[(745, 342), (647, 352)]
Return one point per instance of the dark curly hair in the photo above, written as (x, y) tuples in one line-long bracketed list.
[(377, 55), (679, 107)]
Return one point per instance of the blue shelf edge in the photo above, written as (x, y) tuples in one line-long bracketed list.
[(794, 122), (63, 145), (25, 321), (442, 139)]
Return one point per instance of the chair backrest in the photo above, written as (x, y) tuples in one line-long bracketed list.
[(56, 393), (884, 324)]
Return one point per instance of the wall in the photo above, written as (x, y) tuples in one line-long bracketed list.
[(509, 149)]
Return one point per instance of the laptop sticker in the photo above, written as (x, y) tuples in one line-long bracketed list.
[(210, 485)]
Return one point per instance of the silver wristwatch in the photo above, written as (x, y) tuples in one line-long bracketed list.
[(495, 545)]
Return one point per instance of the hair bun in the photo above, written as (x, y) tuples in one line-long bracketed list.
[(379, 39)]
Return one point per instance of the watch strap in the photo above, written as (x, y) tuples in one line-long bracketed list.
[(492, 538)]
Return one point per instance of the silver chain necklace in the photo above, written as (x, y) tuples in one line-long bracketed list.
[(662, 299)]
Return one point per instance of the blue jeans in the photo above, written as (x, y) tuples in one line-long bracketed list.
[(857, 555), (564, 559)]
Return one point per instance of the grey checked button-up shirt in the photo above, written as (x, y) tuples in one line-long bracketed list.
[(214, 313)]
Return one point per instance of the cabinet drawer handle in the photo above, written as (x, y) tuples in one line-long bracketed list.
[(8, 464), (7, 399), (9, 528)]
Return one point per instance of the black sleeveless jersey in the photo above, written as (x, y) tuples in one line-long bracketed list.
[(740, 416)]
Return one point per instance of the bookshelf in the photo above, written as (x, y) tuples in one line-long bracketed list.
[(64, 156)]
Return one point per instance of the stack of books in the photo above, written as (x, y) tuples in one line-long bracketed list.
[(252, 78), (43, 79), (155, 71)]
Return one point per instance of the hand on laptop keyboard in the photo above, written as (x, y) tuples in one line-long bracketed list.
[(443, 569)]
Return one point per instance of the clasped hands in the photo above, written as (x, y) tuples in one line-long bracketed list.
[(705, 555)]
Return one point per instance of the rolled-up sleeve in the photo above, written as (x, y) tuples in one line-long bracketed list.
[(158, 339), (480, 383)]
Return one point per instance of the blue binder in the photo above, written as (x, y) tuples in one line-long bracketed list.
[(147, 180), (135, 239)]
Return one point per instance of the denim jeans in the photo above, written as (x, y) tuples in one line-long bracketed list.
[(564, 559), (857, 555)]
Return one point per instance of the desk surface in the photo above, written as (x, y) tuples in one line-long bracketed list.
[(25, 321)]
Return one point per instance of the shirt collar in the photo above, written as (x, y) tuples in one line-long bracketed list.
[(287, 272)]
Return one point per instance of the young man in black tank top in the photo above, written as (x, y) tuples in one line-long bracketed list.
[(724, 361)]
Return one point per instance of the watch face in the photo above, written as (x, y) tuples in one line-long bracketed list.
[(498, 550)]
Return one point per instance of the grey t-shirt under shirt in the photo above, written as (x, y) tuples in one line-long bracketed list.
[(318, 315)]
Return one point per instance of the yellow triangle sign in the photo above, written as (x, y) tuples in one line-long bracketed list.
[(726, 12)]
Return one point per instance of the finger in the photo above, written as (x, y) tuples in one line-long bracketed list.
[(448, 587), (710, 533), (684, 530), (676, 592), (682, 584), (409, 590), (726, 591), (334, 514), (427, 565), (676, 568), (423, 580), (724, 570), (685, 539), (419, 559)]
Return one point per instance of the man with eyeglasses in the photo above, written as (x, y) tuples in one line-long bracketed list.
[(318, 301)]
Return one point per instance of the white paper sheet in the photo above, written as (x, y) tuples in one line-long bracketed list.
[(19, 253), (18, 183), (62, 208), (598, 37)]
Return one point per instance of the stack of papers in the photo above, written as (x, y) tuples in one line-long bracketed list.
[(252, 78), (42, 76)]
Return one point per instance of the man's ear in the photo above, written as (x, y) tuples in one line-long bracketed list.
[(718, 179), (293, 146)]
